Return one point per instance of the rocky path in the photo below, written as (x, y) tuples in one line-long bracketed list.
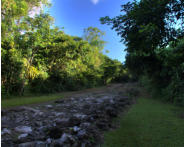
[(76, 121)]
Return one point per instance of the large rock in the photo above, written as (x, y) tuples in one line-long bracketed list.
[(23, 129), (5, 131)]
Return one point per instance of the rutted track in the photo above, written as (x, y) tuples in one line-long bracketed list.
[(77, 121)]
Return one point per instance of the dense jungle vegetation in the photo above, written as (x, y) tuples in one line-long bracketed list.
[(153, 31), (39, 57)]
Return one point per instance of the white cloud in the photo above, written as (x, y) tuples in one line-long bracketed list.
[(34, 11), (94, 1)]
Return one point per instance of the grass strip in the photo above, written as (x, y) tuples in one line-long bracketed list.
[(149, 123)]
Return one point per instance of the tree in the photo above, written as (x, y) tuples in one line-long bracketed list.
[(42, 58), (14, 24), (12, 12), (148, 28), (94, 37), (145, 26)]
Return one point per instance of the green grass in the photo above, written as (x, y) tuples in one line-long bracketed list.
[(19, 101), (31, 98), (149, 123)]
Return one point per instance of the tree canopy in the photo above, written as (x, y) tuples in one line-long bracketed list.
[(39, 57), (153, 32)]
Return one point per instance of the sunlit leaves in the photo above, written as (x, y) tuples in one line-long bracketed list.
[(33, 50)]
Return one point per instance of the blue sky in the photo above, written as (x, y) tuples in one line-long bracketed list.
[(75, 15)]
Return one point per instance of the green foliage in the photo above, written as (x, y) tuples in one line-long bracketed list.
[(174, 65), (169, 84), (94, 37), (43, 59), (154, 44), (12, 65), (114, 71)]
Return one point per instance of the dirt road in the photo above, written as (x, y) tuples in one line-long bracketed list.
[(75, 121)]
